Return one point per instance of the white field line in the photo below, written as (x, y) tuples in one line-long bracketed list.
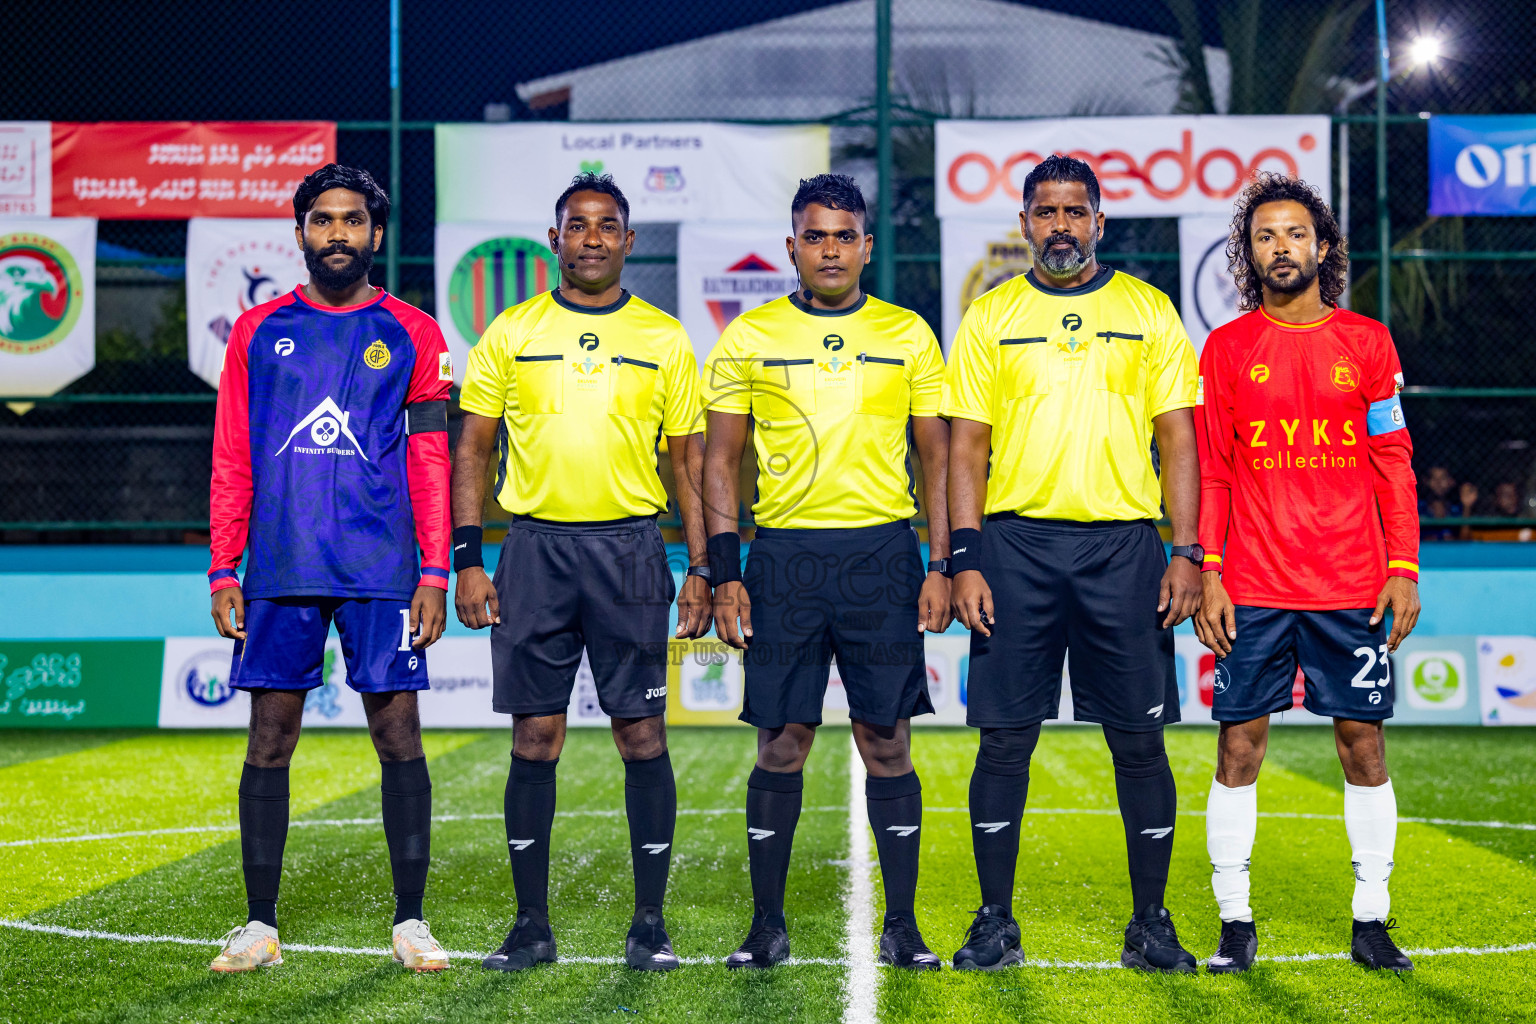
[(861, 982), (296, 947)]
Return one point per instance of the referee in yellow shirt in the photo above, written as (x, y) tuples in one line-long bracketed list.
[(576, 387), (1064, 376), (839, 388)]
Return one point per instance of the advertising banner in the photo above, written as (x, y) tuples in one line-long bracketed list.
[(669, 171), (233, 264), (78, 684), (482, 269), (975, 257), (1506, 670), (1435, 682), (1147, 166), (26, 169), (47, 302), (1482, 165), (1209, 297), (725, 269), (169, 170)]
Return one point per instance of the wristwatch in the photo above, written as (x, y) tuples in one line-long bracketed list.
[(1194, 552), (940, 566), (701, 571)]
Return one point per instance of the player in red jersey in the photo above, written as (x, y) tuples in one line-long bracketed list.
[(1307, 517)]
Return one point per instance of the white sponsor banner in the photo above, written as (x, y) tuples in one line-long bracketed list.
[(975, 257), (1147, 166), (1506, 670), (1208, 294), (47, 302), (483, 268), (26, 168), (234, 264), (195, 691), (669, 171), (725, 269)]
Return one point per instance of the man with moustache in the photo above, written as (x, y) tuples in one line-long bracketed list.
[(574, 389), (1058, 381), (1308, 507), (330, 457)]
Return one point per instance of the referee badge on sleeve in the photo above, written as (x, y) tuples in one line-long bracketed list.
[(444, 366)]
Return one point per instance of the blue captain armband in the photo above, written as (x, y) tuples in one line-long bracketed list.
[(1385, 416)]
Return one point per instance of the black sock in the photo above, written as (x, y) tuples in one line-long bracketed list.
[(407, 793), (1148, 804), (530, 811), (773, 810), (896, 815), (650, 800), (263, 833), (999, 786)]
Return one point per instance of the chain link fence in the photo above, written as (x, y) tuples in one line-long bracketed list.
[(123, 453)]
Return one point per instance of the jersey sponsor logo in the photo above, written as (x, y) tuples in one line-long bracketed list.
[(990, 827), (327, 425), (444, 366), (40, 293), (1322, 435), (588, 341), (902, 830), (284, 347), (519, 844), (587, 367), (1259, 374), (654, 848), (835, 366), (1157, 833), (1345, 375), (758, 834), (376, 356)]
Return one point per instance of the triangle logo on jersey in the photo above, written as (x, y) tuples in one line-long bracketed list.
[(327, 426)]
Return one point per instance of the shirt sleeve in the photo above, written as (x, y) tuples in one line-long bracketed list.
[(682, 415), (1214, 440), (427, 467), (927, 372), (1172, 369), (970, 379), (727, 374), (487, 376), (1392, 462), (231, 490)]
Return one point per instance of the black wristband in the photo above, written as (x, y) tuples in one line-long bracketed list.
[(724, 558), (701, 571), (964, 551), (467, 544)]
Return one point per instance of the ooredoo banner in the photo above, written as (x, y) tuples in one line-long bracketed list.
[(233, 264), (1482, 165), (26, 169), (47, 302), (168, 170), (1208, 292), (1147, 166), (483, 268), (669, 171), (725, 269)]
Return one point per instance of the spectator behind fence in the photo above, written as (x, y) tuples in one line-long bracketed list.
[(1508, 500), (1438, 502)]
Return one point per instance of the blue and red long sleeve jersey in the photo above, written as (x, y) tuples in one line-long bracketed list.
[(313, 461), (1306, 479)]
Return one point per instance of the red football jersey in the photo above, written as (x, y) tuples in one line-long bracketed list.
[(1306, 479)]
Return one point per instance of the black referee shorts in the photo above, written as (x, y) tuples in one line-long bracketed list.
[(848, 593), (562, 586), (1085, 590)]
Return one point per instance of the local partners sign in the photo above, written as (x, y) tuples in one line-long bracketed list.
[(79, 684)]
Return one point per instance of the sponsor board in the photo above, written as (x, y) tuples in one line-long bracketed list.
[(1482, 165), (1209, 295), (26, 169), (1506, 670), (78, 684), (1147, 166), (233, 265), (723, 270), (47, 302), (1435, 681), (975, 257), (482, 269)]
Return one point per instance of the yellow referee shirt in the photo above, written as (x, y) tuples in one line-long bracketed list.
[(830, 393), (1070, 380), (585, 393)]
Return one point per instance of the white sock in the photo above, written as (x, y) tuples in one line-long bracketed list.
[(1370, 818), (1231, 819)]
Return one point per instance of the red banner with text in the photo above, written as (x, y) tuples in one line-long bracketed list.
[(172, 170)]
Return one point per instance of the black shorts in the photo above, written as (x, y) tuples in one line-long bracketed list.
[(847, 593), (1084, 590), (562, 586), (1342, 656)]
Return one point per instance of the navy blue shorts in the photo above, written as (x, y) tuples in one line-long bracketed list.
[(1086, 592), (845, 593), (1343, 657), (284, 645)]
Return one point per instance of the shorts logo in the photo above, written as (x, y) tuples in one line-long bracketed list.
[(1155, 711), (1223, 679), (1071, 322), (1375, 697), (376, 356), (1157, 833), (1259, 374), (284, 347), (760, 833), (655, 691), (832, 342), (519, 844), (654, 848), (413, 663), (1345, 375), (902, 830), (993, 826), (588, 341)]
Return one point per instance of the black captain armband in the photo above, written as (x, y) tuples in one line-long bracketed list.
[(724, 558), (426, 417), (964, 551), (467, 553)]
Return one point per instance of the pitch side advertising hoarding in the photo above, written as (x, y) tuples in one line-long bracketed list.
[(1482, 166), (725, 269), (26, 168), (47, 302)]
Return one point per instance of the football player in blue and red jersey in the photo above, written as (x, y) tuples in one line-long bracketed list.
[(1309, 522), (330, 460)]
